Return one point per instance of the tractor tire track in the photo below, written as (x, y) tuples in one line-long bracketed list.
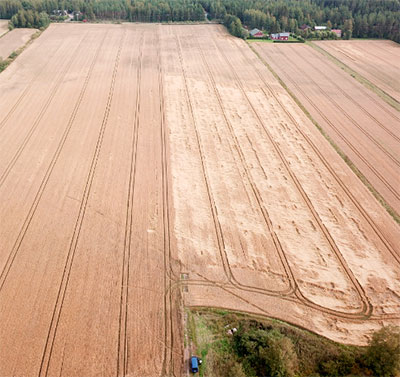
[(347, 142), (168, 364), (38, 119), (52, 332), (122, 352), (217, 224), (366, 308), (32, 210)]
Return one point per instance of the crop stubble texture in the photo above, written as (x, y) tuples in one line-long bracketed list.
[(364, 127), (282, 225), (132, 155), (85, 240), (378, 61), (13, 40)]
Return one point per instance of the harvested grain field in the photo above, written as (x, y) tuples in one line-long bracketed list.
[(3, 27), (364, 127), (377, 61), (13, 40), (138, 167), (84, 239)]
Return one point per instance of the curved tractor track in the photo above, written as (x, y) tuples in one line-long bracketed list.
[(366, 308), (266, 87)]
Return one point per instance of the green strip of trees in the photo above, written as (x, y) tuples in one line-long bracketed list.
[(30, 19)]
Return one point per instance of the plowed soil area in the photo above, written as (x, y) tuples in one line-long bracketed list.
[(364, 127), (377, 61), (140, 164), (3, 27), (13, 40)]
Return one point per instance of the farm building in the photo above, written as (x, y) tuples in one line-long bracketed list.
[(256, 33), (338, 32), (320, 28), (280, 36), (305, 27)]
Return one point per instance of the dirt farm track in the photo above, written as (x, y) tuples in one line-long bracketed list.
[(144, 168)]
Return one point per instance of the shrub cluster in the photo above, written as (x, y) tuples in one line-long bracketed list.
[(274, 349), (234, 26)]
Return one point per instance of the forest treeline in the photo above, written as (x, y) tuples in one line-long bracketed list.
[(358, 18)]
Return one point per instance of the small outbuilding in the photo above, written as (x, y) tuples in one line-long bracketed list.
[(280, 36), (305, 27), (256, 33), (338, 32), (320, 28)]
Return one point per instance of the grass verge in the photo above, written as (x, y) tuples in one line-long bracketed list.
[(253, 40), (356, 171), (6, 62), (4, 33)]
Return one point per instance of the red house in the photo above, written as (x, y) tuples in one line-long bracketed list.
[(280, 36), (338, 32), (255, 33)]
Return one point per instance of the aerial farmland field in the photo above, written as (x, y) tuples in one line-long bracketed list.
[(144, 168), (376, 60), (364, 127)]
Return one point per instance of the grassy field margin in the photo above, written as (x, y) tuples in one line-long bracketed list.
[(6, 62)]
